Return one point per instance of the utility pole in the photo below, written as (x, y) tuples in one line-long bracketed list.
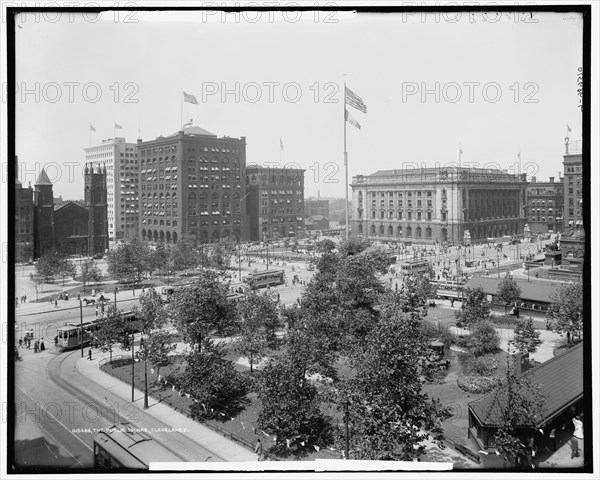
[(132, 368), (145, 377), (346, 421), (81, 324)]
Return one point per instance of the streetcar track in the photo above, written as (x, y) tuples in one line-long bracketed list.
[(114, 416)]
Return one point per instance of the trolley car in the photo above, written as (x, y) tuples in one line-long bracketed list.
[(266, 278), (122, 446), (72, 335)]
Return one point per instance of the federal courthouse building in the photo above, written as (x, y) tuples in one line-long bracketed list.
[(429, 205)]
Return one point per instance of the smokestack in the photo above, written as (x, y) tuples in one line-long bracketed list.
[(551, 179)]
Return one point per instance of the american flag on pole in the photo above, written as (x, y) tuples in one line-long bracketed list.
[(190, 98), (92, 129), (117, 125), (350, 119), (355, 101), (281, 144)]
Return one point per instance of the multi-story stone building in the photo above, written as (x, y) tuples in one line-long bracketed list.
[(71, 228), (275, 202), (432, 205), (23, 219), (573, 185), (122, 170), (545, 201), (192, 183)]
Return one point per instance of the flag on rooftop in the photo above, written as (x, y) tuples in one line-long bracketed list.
[(117, 125), (355, 101), (92, 129), (190, 98), (350, 119), (568, 128), (281, 144)]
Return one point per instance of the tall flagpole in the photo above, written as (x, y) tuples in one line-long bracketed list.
[(346, 164), (181, 112)]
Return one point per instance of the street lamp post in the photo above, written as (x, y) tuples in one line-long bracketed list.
[(143, 349), (132, 367), (498, 262), (116, 290)]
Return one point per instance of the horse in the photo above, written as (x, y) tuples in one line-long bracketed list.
[(91, 300)]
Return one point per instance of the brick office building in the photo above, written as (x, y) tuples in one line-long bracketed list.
[(275, 203), (545, 201), (192, 183)]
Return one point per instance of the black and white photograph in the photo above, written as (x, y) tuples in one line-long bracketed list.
[(310, 238)]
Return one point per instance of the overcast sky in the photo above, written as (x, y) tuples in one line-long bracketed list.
[(505, 85)]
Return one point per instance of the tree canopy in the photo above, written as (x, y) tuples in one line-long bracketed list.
[(130, 262), (475, 308), (508, 291), (565, 313)]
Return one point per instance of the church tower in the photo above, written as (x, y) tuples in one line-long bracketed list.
[(43, 215), (96, 205)]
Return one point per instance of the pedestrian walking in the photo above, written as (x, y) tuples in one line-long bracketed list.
[(452, 302), (577, 440), (79, 297), (258, 449), (90, 354), (25, 299), (35, 346), (66, 296), (20, 342), (56, 303), (42, 346), (28, 343)]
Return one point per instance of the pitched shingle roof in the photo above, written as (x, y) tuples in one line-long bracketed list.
[(43, 178), (534, 291), (560, 380)]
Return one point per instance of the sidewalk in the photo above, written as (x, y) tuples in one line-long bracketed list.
[(198, 433), (35, 308)]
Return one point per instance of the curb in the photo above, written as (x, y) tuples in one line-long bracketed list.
[(67, 308)]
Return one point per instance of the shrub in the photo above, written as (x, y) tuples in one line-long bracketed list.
[(477, 383), (484, 338), (484, 366)]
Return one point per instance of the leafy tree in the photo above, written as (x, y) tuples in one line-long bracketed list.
[(508, 291), (484, 338), (326, 246), (201, 308), (185, 255), (217, 388), (49, 265), (565, 313), (111, 330), (475, 308), (37, 280), (159, 258), (290, 404), (527, 337), (522, 404), (66, 268), (90, 271), (151, 312), (389, 413), (158, 347), (259, 321), (352, 246), (130, 261), (221, 253)]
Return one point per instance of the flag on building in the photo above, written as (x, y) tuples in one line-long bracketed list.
[(92, 128), (519, 155), (355, 101), (190, 98), (117, 125), (281, 144), (460, 152), (568, 128), (350, 119)]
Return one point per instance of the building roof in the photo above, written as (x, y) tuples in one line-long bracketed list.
[(317, 218), (70, 203), (535, 291), (43, 178), (194, 131), (560, 380)]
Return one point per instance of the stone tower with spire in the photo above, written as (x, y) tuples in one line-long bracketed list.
[(96, 205), (43, 215)]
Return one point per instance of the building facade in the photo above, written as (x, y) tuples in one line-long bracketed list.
[(24, 238), (430, 205), (275, 202), (192, 183), (71, 228), (573, 185), (122, 177), (545, 202), (316, 206)]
